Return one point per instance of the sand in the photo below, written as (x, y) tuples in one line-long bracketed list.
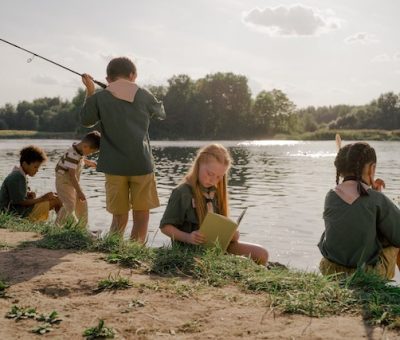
[(153, 308)]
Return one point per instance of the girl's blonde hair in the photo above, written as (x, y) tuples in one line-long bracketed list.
[(221, 155)]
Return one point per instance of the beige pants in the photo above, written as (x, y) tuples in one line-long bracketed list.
[(40, 212), (73, 209), (385, 266)]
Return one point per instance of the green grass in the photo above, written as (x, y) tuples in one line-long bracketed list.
[(3, 288), (113, 282), (291, 291), (99, 332), (20, 313)]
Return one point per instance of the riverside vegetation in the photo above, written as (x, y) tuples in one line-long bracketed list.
[(217, 106), (289, 291)]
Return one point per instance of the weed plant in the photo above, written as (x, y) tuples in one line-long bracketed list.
[(99, 332)]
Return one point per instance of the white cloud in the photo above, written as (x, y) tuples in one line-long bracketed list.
[(294, 20), (361, 38), (382, 58), (44, 80), (385, 58)]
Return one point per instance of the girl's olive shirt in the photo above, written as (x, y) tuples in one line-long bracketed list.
[(180, 211), (355, 233)]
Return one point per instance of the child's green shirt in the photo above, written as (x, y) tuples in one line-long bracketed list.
[(13, 191), (124, 147), (355, 233), (181, 210)]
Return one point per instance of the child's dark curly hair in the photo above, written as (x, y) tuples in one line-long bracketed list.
[(31, 154), (351, 159)]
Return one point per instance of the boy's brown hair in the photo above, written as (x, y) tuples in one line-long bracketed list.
[(31, 154), (120, 67), (92, 139)]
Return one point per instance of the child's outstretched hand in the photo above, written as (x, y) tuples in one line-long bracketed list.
[(89, 163), (379, 184), (50, 196), (196, 237), (87, 80), (81, 196), (31, 195)]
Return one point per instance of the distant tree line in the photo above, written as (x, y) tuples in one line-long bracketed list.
[(218, 106)]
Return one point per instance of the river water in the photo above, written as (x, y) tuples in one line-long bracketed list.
[(283, 184)]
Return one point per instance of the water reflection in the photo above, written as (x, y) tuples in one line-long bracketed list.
[(283, 184)]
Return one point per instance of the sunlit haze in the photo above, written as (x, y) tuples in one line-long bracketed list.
[(317, 52)]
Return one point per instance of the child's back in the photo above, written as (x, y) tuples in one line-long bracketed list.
[(123, 111), (125, 148), (362, 226), (355, 233)]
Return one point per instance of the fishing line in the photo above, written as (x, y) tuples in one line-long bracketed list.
[(29, 60)]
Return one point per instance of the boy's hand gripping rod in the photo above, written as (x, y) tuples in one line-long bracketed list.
[(51, 61)]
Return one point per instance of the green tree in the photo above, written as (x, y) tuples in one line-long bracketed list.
[(272, 112)]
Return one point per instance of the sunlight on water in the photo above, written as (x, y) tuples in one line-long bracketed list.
[(268, 142), (313, 155), (283, 184)]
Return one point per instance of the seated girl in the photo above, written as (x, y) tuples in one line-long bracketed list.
[(362, 225), (204, 189)]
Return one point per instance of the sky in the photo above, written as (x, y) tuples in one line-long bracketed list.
[(317, 52)]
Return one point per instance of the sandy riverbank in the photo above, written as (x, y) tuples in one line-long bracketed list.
[(154, 307)]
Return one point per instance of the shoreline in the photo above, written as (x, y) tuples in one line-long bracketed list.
[(319, 135), (172, 294)]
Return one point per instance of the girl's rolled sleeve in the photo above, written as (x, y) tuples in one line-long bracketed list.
[(176, 209)]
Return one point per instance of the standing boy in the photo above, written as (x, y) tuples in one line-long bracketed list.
[(68, 170), (124, 110), (15, 195)]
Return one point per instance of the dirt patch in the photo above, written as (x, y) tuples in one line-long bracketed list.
[(153, 307), (14, 238)]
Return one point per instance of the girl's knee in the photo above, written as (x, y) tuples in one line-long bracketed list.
[(261, 255)]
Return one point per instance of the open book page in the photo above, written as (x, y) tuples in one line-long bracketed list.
[(218, 229)]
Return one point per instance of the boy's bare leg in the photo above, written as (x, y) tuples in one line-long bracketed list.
[(119, 223), (140, 225), (257, 253)]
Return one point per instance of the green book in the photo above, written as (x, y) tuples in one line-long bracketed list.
[(219, 229)]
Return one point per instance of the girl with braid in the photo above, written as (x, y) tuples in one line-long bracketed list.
[(362, 225), (204, 189)]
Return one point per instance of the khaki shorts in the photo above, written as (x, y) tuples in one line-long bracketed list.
[(124, 193), (40, 212), (385, 266)]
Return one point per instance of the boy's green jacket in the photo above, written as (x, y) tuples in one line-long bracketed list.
[(125, 147)]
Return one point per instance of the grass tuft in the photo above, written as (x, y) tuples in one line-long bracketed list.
[(99, 332), (113, 282), (70, 236)]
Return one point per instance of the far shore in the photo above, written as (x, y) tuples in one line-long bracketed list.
[(324, 134)]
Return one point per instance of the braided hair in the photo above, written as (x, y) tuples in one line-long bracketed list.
[(351, 159)]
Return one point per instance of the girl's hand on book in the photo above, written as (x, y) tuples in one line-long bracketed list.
[(379, 184), (196, 237)]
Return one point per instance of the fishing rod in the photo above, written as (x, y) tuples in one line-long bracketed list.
[(51, 61)]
